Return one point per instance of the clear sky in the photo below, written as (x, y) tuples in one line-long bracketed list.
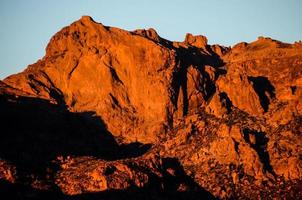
[(26, 26)]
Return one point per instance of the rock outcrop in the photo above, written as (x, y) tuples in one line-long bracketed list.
[(112, 112)]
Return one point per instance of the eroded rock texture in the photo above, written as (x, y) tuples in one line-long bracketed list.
[(108, 113)]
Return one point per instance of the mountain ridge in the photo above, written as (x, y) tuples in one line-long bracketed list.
[(145, 111)]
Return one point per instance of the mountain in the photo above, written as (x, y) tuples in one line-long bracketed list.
[(109, 113)]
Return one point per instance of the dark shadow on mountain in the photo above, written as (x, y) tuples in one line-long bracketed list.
[(34, 132), (197, 58), (226, 101), (175, 179), (168, 186), (22, 192), (174, 183), (260, 146), (179, 84), (133, 149), (293, 89), (264, 89), (54, 92), (142, 194), (26, 192)]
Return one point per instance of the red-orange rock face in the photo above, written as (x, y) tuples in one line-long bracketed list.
[(107, 109), (117, 74)]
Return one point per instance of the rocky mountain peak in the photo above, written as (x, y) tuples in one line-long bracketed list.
[(198, 41), (111, 112)]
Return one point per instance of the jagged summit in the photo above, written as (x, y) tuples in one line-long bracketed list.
[(198, 41), (86, 18), (117, 112)]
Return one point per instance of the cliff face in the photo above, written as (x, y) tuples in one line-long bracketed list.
[(106, 109)]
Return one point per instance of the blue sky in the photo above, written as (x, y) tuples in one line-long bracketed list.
[(27, 25)]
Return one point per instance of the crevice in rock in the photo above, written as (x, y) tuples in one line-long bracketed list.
[(236, 145), (180, 97), (72, 70), (115, 76), (226, 101), (115, 101), (293, 89)]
